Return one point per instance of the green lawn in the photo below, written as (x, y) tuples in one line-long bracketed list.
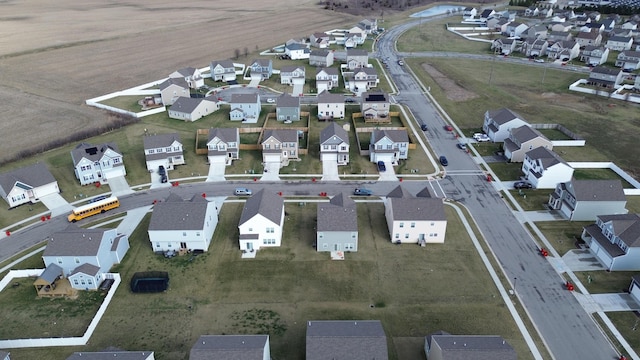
[(562, 234)]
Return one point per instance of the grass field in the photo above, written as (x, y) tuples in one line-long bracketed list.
[(408, 286)]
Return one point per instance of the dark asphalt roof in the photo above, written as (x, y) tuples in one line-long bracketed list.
[(339, 214), (74, 241), (229, 347), (422, 208), (353, 340), (160, 140), (598, 190), (51, 273), (476, 347), (265, 203), (176, 213), (32, 176), (333, 134)]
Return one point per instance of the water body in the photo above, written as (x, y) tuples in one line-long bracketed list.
[(437, 10)]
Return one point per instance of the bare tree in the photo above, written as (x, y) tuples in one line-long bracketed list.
[(237, 53)]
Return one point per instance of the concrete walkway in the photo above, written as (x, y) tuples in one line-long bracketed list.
[(607, 302), (133, 218), (582, 260)]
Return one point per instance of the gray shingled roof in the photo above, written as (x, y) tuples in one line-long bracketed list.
[(625, 226), (160, 140), (422, 208), (176, 213), (74, 241), (353, 340), (229, 347), (476, 347), (244, 99), (261, 62), (283, 135), (399, 192), (226, 135), (547, 157), (357, 52), (328, 71), (223, 63), (286, 100), (91, 152), (598, 190), (503, 116), (265, 203), (525, 133), (326, 97), (111, 355), (186, 104), (319, 52), (333, 134), (32, 176), (397, 136), (88, 269), (339, 214), (426, 192), (605, 70), (174, 81), (188, 71), (291, 68), (51, 273)]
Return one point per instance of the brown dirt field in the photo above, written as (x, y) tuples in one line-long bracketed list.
[(453, 91), (55, 55)]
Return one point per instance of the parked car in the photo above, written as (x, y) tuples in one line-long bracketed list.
[(381, 166), (448, 127), (480, 137), (444, 161), (539, 60), (242, 192), (163, 174), (424, 127), (462, 146), (522, 185), (362, 192), (98, 198), (400, 62)]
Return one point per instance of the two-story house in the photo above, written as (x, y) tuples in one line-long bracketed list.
[(297, 51), (388, 146), (287, 108), (27, 184), (615, 241), (532, 11), (415, 219), (85, 255), (515, 29), (545, 169), (368, 25), (192, 109), (261, 221), (334, 144), (173, 89), (523, 139), (261, 68), (223, 145), (605, 77), (357, 58), (444, 346), (323, 58), (363, 79), (337, 225), (534, 47), (534, 32), (320, 40), (619, 43), (503, 46), (245, 107), (118, 354), (563, 50), (280, 146), (330, 106), (182, 225), (97, 163), (498, 123), (191, 76), (374, 105), (594, 55), (584, 200), (628, 60), (327, 79), (590, 38), (469, 13), (292, 75), (222, 70), (230, 347), (163, 149), (555, 36)]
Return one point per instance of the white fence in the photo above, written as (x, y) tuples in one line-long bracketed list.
[(612, 95), (568, 142), (48, 342), (613, 167)]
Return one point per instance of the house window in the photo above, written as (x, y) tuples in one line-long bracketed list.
[(89, 282), (59, 261), (270, 230), (184, 233), (401, 224), (432, 224), (76, 260), (320, 236), (353, 235), (413, 224), (168, 149), (198, 233), (325, 147), (406, 236), (157, 244), (250, 229), (152, 151), (177, 148), (75, 281), (397, 236), (169, 245), (324, 246)]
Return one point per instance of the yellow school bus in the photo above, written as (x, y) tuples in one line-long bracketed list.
[(94, 208)]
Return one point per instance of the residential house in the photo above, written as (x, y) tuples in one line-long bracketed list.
[(515, 28), (534, 47), (163, 149), (85, 255), (287, 108), (582, 20), (497, 123), (369, 25), (280, 146), (27, 184), (615, 241), (546, 12), (192, 109), (261, 221), (534, 32), (262, 68), (297, 51), (97, 163), (323, 58), (523, 139), (486, 14), (593, 26), (634, 288), (609, 23), (560, 27), (622, 33), (559, 36), (558, 18), (346, 339), (182, 225), (545, 169), (357, 58), (334, 144), (503, 46), (415, 219), (117, 355), (619, 43), (363, 79), (388, 146), (337, 225), (498, 24), (636, 83), (222, 70), (594, 15), (444, 346), (327, 78), (4, 355), (231, 347), (330, 106), (628, 60), (173, 89), (594, 55), (191, 76), (374, 105), (605, 77), (591, 38), (563, 50), (357, 35), (469, 13), (223, 145), (292, 75), (320, 40), (532, 11), (245, 107), (629, 25), (584, 200)]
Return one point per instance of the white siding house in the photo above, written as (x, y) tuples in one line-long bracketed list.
[(231, 347), (330, 106), (334, 144), (192, 109), (163, 149), (337, 225), (497, 123), (27, 184), (545, 169), (584, 200), (191, 76), (97, 163), (261, 221), (418, 220), (615, 241), (389, 146), (245, 107)]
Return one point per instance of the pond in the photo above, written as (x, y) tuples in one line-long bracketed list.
[(438, 10)]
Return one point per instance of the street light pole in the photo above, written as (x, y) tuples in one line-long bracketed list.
[(515, 281)]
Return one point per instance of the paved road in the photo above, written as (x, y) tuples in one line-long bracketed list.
[(567, 329)]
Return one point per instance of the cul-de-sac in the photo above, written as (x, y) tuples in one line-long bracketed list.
[(297, 179)]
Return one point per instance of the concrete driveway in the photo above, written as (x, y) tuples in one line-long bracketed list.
[(607, 302), (255, 81), (581, 260), (271, 171), (330, 170), (217, 167), (389, 174), (119, 186), (56, 204), (156, 180), (297, 90)]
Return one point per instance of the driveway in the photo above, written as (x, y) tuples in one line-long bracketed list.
[(56, 204), (582, 260), (271, 171), (217, 168), (133, 218), (156, 180), (330, 170), (607, 302), (297, 90), (254, 82), (389, 174), (119, 186)]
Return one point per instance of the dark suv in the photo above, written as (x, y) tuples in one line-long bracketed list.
[(163, 174)]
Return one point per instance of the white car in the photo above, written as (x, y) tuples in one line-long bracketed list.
[(539, 60), (271, 100), (481, 137)]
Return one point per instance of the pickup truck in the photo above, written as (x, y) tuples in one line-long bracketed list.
[(362, 192)]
